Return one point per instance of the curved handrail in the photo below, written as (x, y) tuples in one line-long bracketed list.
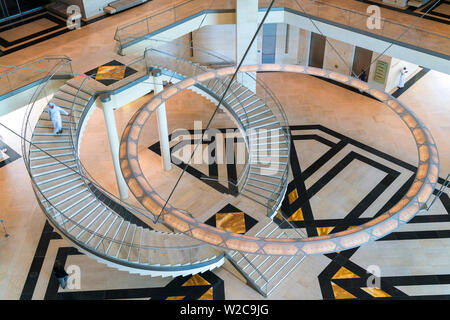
[(87, 177), (327, 11), (204, 69), (83, 173), (264, 90), (409, 205), (64, 61), (26, 65), (43, 199)]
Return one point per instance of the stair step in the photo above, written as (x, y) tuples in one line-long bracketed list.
[(61, 184), (72, 91), (71, 83), (263, 181), (87, 232), (52, 163), (97, 235), (65, 191), (62, 168), (79, 215), (62, 95)]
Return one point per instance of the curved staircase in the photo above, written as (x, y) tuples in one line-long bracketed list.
[(266, 132), (102, 232), (76, 211)]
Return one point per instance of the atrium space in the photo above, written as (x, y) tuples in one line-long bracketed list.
[(224, 150)]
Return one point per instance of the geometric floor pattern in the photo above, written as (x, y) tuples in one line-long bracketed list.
[(232, 219), (204, 286), (344, 278), (10, 154), (412, 262), (326, 157), (111, 72)]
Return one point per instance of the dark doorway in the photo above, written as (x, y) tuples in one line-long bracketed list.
[(317, 50), (361, 61)]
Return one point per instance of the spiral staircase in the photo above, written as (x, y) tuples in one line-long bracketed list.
[(72, 202), (74, 209)]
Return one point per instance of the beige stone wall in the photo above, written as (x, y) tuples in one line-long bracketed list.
[(394, 72), (338, 56), (220, 39), (303, 46), (292, 43)]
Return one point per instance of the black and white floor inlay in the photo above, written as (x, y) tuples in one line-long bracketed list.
[(412, 262)]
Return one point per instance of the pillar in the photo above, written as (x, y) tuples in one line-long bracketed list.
[(246, 25), (110, 121), (162, 122)]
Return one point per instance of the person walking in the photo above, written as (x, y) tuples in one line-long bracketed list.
[(363, 76), (402, 80), (60, 274), (54, 113)]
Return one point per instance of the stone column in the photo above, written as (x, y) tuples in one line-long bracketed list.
[(246, 25), (110, 121), (162, 122)]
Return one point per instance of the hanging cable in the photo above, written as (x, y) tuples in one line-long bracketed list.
[(217, 107), (409, 28), (192, 45), (372, 62)]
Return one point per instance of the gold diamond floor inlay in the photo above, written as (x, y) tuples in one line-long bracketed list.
[(196, 280), (110, 72), (231, 221), (376, 292), (344, 273), (340, 293)]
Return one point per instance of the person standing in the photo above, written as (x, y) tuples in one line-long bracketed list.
[(402, 80), (60, 274), (54, 113), (363, 76)]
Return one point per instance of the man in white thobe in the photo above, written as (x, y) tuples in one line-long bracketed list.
[(403, 73), (54, 113)]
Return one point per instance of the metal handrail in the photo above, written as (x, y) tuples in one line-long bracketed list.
[(83, 172), (204, 69), (266, 90), (120, 28), (26, 65), (289, 4), (42, 199), (247, 164), (368, 15), (50, 74), (441, 190)]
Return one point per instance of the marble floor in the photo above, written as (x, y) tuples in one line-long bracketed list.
[(373, 157), (352, 158)]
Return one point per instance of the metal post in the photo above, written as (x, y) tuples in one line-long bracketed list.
[(108, 112), (162, 123)]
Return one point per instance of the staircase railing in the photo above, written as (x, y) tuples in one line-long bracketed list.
[(146, 26), (31, 118), (65, 222), (167, 60), (398, 30), (13, 78), (439, 192), (60, 67)]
